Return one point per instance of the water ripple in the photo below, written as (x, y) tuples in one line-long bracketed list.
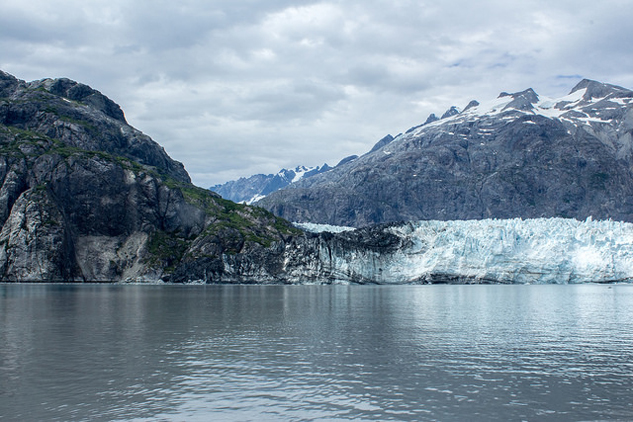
[(446, 353)]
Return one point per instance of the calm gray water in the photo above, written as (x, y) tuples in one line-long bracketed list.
[(447, 353)]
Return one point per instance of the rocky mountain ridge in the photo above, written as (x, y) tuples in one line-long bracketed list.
[(519, 155)]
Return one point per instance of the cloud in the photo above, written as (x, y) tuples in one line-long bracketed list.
[(237, 87)]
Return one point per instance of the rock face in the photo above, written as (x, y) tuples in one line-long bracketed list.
[(79, 117), (516, 156), (254, 188), (86, 197)]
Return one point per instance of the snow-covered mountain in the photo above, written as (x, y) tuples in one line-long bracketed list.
[(539, 251), (254, 188), (519, 155)]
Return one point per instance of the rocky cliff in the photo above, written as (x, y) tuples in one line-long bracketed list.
[(86, 197), (519, 155)]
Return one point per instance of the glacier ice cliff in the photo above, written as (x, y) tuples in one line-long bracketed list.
[(511, 251), (553, 250)]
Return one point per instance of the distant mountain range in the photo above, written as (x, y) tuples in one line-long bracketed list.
[(248, 190), (519, 155), (254, 188)]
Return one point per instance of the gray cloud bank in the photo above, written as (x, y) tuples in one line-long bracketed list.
[(233, 88)]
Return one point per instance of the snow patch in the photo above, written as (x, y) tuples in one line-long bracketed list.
[(254, 199), (300, 172), (621, 101), (319, 228)]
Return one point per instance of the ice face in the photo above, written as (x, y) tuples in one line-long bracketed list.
[(542, 251)]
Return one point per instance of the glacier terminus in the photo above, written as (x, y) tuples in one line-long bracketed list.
[(535, 251)]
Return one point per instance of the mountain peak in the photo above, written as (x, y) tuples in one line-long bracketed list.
[(432, 118), (256, 187), (597, 89), (507, 157), (472, 104), (90, 120), (528, 93), (7, 83), (67, 88), (7, 76), (523, 100), (450, 112), (383, 142)]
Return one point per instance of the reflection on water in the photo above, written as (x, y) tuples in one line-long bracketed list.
[(110, 352)]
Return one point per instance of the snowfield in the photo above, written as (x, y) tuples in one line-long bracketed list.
[(538, 251)]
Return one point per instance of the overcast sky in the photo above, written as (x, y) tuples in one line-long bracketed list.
[(237, 87)]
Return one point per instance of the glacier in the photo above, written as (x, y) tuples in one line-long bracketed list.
[(531, 251)]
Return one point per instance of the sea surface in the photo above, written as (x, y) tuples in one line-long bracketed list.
[(286, 353)]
